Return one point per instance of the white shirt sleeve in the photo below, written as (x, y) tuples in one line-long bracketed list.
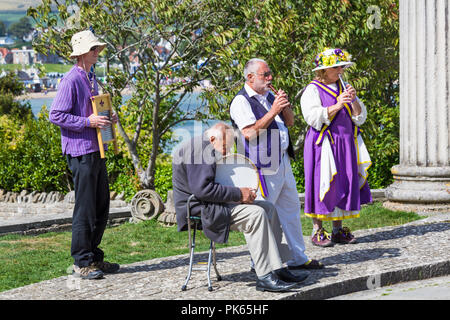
[(241, 112), (361, 118), (314, 114)]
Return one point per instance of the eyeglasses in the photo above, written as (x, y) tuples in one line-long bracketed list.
[(265, 74)]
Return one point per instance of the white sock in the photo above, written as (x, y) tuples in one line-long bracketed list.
[(314, 230)]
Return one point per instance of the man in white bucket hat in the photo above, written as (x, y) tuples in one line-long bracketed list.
[(82, 42), (72, 111)]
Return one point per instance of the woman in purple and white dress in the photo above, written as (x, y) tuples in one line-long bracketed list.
[(335, 157)]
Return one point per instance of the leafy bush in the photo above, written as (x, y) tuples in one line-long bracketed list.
[(163, 177), (122, 177), (11, 87), (32, 159)]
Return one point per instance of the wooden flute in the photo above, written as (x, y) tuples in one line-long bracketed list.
[(271, 87)]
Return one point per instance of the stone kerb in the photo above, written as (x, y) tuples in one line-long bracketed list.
[(29, 203)]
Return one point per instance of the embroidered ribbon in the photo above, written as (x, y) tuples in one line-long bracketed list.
[(334, 95), (262, 185)]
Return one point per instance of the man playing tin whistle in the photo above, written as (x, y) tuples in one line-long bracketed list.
[(262, 120)]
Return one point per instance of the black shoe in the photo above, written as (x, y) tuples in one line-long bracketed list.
[(287, 276), (89, 272), (309, 265), (270, 282)]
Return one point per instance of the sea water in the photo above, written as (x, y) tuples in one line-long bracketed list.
[(182, 131)]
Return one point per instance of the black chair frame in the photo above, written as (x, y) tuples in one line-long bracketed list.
[(192, 230)]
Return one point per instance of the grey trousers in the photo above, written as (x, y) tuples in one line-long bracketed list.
[(262, 231)]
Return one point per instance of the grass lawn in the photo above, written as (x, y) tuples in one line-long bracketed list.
[(49, 67), (29, 259)]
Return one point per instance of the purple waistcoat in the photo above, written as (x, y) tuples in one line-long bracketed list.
[(260, 150)]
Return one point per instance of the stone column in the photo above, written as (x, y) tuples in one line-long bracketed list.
[(423, 175)]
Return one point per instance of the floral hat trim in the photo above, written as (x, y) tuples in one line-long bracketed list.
[(330, 58)]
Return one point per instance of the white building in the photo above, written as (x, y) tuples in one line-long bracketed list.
[(6, 41), (23, 56)]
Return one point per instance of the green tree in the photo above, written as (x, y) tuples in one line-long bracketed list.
[(10, 88), (2, 28), (21, 28), (289, 34), (180, 41)]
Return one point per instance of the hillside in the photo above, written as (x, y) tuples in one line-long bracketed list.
[(17, 5)]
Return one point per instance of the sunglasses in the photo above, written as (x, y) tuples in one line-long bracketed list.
[(265, 74), (94, 48)]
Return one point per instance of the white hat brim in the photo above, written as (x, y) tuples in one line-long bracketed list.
[(86, 49), (343, 64)]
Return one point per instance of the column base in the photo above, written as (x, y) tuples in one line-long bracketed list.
[(418, 208), (419, 187)]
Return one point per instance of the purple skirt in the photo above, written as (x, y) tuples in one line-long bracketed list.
[(344, 192)]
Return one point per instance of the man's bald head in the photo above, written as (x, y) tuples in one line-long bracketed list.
[(221, 137)]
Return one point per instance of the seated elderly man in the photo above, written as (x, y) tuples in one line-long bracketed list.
[(224, 208)]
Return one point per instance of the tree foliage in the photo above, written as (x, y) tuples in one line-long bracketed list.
[(177, 40), (289, 34), (21, 28), (211, 40), (10, 88), (30, 155)]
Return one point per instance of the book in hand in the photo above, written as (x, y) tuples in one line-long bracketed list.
[(101, 106)]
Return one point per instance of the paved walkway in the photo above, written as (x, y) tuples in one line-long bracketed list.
[(428, 289), (383, 256)]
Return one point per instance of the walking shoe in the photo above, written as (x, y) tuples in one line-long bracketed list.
[(287, 276), (271, 282), (90, 272), (343, 236), (106, 266), (321, 238)]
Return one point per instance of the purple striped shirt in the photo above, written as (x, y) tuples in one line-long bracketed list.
[(70, 110)]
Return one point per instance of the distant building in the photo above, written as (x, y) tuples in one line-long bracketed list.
[(29, 56), (50, 58), (5, 56), (32, 81), (6, 41), (23, 56)]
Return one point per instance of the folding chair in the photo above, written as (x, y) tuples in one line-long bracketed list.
[(195, 220)]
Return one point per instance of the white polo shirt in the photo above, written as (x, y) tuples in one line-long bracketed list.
[(242, 114)]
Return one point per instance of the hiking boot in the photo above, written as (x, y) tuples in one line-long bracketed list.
[(90, 272), (321, 238), (343, 236), (106, 266)]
